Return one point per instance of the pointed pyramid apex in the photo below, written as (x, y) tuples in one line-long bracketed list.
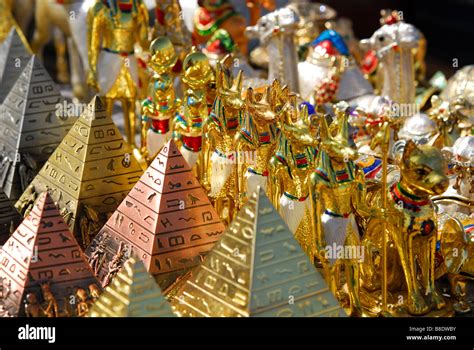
[(170, 160), (14, 56), (170, 149), (96, 109), (132, 293), (16, 38), (172, 216), (43, 251), (260, 253)]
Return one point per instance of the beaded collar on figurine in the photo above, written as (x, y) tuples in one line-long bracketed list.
[(409, 201)]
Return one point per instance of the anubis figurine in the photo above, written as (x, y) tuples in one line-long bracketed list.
[(331, 186), (219, 156), (257, 138), (290, 167)]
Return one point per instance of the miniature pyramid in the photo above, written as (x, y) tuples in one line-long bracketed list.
[(166, 219), (29, 124), (93, 167), (256, 269), (132, 293), (41, 250), (14, 57), (9, 217)]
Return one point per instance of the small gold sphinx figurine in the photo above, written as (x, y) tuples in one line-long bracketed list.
[(196, 76), (114, 28), (219, 156), (161, 105)]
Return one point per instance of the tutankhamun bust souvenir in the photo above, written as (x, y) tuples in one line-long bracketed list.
[(219, 168), (161, 105), (114, 28), (196, 77)]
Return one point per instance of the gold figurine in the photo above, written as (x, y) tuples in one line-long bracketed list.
[(256, 139), (219, 157), (197, 74), (161, 105), (400, 234), (169, 23), (113, 30), (334, 226), (290, 167)]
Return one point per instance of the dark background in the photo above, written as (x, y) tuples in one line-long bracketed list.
[(448, 26)]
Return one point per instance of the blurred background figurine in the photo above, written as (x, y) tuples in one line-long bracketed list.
[(214, 14), (114, 28)]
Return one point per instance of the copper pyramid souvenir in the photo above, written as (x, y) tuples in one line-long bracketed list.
[(166, 219), (89, 173), (42, 265), (9, 217), (14, 57), (256, 269), (132, 293), (30, 129)]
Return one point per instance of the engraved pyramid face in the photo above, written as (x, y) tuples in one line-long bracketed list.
[(166, 219), (14, 57), (132, 293), (256, 269), (42, 251), (30, 129), (92, 168)]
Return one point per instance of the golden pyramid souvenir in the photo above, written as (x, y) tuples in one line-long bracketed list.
[(256, 269), (166, 220), (89, 173), (132, 293), (42, 266), (30, 129), (9, 217)]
